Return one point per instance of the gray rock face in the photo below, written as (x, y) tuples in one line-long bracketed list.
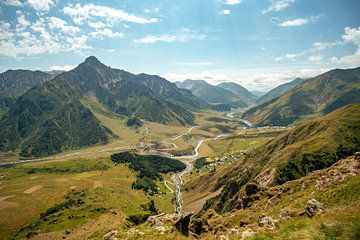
[(182, 225), (313, 207)]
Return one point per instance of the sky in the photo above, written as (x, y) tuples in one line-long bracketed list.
[(256, 43)]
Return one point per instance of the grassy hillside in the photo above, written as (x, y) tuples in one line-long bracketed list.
[(279, 90), (241, 92), (321, 95), (316, 144)]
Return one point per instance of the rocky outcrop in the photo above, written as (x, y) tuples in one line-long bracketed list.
[(182, 225), (210, 221), (313, 207), (266, 222)]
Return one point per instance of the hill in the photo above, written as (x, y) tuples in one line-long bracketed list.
[(318, 95), (241, 92), (211, 94), (313, 145), (279, 90), (52, 117)]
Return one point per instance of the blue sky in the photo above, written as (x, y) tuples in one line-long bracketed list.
[(257, 43)]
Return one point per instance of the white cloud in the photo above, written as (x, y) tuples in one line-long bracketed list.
[(276, 6), (184, 36), (225, 12), (57, 23), (294, 22), (97, 25), (232, 2), (41, 5), (315, 58), (37, 39), (352, 36), (106, 32), (16, 3), (62, 68), (22, 22), (289, 56), (81, 13)]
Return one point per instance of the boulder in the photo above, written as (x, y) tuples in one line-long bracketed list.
[(266, 222), (109, 235), (247, 233), (313, 207)]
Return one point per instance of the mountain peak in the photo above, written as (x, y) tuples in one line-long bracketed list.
[(92, 60)]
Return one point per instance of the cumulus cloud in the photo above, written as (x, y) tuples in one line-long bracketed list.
[(106, 32), (34, 38), (89, 12), (352, 36), (41, 5), (57, 23), (184, 36), (15, 3), (225, 12), (296, 22), (276, 6), (232, 2)]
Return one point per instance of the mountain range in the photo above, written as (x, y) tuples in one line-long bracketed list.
[(319, 95), (216, 94), (313, 145), (52, 117)]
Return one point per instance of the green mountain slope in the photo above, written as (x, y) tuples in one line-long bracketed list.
[(318, 95), (241, 92), (314, 145), (211, 94), (50, 118), (279, 90)]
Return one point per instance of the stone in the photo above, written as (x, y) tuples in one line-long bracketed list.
[(109, 235), (313, 207), (247, 233), (284, 213), (266, 222)]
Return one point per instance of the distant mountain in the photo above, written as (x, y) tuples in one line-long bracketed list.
[(239, 91), (258, 93), (212, 94), (315, 144), (13, 83), (279, 90), (319, 95), (50, 118)]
